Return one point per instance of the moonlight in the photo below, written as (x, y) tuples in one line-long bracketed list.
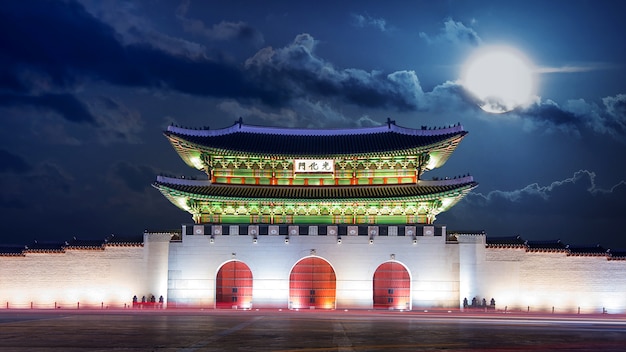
[(500, 78)]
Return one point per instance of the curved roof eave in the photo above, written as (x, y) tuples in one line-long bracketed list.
[(241, 127), (448, 188), (445, 145)]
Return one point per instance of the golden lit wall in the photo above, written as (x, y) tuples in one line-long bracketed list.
[(539, 281), (85, 278)]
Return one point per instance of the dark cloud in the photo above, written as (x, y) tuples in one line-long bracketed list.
[(136, 178), (44, 64), (10, 162), (65, 105), (615, 108), (117, 122), (221, 31), (57, 40), (576, 116), (295, 71), (13, 203), (33, 186), (551, 115), (68, 45)]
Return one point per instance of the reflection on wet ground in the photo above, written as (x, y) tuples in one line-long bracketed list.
[(275, 330)]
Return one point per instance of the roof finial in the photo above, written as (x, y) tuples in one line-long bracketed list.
[(240, 121)]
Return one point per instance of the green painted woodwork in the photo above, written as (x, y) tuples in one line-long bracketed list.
[(317, 219), (256, 170), (235, 219)]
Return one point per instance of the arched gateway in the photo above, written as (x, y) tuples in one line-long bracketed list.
[(312, 284), (392, 286), (233, 287)]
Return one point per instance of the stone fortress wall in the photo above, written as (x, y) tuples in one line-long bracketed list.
[(546, 280), (442, 273), (85, 277)]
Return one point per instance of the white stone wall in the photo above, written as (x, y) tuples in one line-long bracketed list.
[(539, 281), (432, 265), (85, 278), (441, 273)]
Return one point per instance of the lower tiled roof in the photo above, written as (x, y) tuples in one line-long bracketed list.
[(546, 246), (315, 192), (505, 242), (46, 247), (12, 250), (77, 243), (597, 250)]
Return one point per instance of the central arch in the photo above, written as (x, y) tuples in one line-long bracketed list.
[(233, 286), (312, 284), (392, 286)]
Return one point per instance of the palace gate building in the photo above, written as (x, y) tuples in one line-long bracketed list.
[(315, 219)]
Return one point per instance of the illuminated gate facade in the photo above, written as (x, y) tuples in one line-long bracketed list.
[(392, 287), (312, 284), (233, 286)]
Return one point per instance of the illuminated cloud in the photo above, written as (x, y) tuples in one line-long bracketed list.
[(541, 210), (453, 32), (578, 115), (576, 68), (295, 71), (364, 20)]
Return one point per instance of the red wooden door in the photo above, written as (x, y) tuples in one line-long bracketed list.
[(392, 286), (233, 286), (312, 283)]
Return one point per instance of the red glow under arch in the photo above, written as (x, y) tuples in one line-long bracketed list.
[(392, 286), (233, 286), (312, 283)]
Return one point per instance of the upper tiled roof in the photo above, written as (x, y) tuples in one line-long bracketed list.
[(290, 141), (200, 188)]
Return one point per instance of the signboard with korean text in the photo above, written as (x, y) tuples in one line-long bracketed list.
[(314, 165)]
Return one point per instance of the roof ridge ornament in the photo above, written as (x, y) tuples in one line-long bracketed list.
[(390, 122)]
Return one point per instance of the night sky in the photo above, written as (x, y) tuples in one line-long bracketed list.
[(87, 88)]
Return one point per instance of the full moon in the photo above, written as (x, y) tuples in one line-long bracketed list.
[(500, 78)]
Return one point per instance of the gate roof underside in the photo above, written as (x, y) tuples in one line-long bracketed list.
[(301, 193)]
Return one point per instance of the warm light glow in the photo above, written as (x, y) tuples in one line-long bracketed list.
[(197, 163), (182, 203), (500, 78), (445, 202)]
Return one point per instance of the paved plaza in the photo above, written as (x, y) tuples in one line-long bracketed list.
[(282, 330)]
